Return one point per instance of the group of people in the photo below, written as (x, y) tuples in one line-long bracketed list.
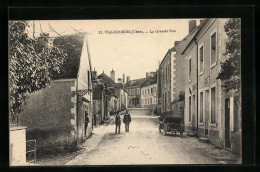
[(126, 120)]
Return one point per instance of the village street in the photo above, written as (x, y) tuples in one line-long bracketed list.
[(145, 145)]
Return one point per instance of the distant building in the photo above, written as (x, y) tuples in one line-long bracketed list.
[(133, 88), (172, 77), (56, 115), (149, 92), (110, 97)]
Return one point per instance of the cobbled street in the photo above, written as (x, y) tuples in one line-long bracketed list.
[(145, 145)]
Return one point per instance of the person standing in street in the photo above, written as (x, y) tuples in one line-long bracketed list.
[(118, 122), (127, 120), (86, 122)]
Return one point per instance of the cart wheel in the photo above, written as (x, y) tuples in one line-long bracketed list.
[(164, 133)]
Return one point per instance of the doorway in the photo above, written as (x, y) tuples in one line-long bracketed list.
[(193, 113), (227, 123), (207, 112)]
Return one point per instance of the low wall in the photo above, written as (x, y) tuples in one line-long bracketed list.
[(17, 146)]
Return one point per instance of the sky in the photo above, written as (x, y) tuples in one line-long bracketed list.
[(132, 53)]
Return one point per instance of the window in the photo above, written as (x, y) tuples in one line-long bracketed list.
[(213, 105), (201, 106), (190, 109), (142, 92), (190, 69), (138, 91), (148, 91), (201, 63), (213, 48)]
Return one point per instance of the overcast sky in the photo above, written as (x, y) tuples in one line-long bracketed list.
[(133, 54)]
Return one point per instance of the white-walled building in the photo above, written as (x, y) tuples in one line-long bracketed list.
[(149, 92)]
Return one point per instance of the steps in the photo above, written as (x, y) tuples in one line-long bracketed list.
[(204, 139), (192, 134)]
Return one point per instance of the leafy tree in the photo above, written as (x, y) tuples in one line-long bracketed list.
[(32, 64), (230, 69)]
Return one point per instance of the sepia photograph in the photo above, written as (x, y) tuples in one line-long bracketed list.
[(125, 92)]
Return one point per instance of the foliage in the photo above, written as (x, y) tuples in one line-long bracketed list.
[(230, 69), (32, 64)]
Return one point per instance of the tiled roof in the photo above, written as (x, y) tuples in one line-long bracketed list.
[(119, 85), (150, 81), (107, 80), (136, 82), (194, 35), (72, 45)]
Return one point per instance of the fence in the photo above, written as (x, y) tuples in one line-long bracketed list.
[(31, 150)]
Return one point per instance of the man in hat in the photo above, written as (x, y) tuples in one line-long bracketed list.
[(118, 122), (127, 120)]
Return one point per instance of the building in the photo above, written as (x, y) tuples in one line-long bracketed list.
[(171, 81), (149, 92), (209, 111), (133, 88), (122, 95), (109, 97), (56, 115)]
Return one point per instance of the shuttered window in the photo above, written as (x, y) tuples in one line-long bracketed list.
[(213, 105), (201, 106), (213, 48)]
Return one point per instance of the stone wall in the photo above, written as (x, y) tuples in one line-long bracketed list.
[(50, 116)]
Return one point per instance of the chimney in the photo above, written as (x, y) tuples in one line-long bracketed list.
[(123, 79), (202, 22), (176, 42), (147, 74), (192, 25), (94, 74), (112, 75), (127, 79), (119, 80)]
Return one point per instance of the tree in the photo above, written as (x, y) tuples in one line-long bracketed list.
[(32, 64), (230, 69)]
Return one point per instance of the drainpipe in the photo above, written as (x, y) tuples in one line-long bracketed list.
[(197, 122)]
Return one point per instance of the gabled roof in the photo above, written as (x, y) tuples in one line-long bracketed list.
[(72, 45), (135, 83), (119, 85), (198, 30), (150, 81), (185, 41), (107, 80)]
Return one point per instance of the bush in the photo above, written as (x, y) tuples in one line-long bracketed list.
[(57, 147)]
